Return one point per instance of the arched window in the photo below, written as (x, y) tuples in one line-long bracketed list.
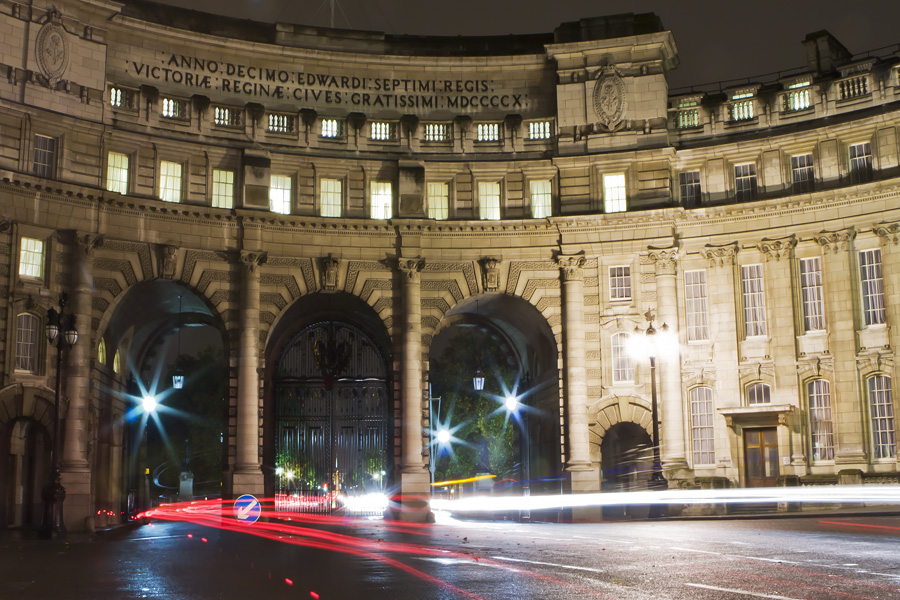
[(759, 393), (820, 425), (117, 362), (27, 327), (101, 352), (881, 408), (623, 367), (702, 432)]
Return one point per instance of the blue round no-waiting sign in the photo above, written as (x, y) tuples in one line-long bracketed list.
[(247, 509)]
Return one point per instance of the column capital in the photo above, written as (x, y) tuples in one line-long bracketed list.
[(253, 260), (836, 240), (888, 232), (664, 259), (411, 268), (572, 266), (776, 248), (719, 256)]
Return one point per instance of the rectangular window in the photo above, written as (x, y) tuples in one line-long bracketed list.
[(489, 200), (741, 111), (797, 97), (174, 109), (437, 132), (382, 200), (614, 193), (332, 128), (26, 342), (687, 119), (539, 130), (689, 182), (170, 181), (330, 200), (280, 194), (119, 98), (541, 199), (223, 189), (619, 283), (117, 173), (820, 423), (871, 281), (702, 432), (438, 201), (488, 132), (802, 175), (381, 131), (623, 367), (224, 116), (745, 181), (759, 393), (695, 306), (31, 258), (754, 297), (881, 406), (860, 163), (280, 123), (44, 156), (811, 294)]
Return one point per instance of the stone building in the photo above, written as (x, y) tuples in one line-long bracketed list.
[(331, 201)]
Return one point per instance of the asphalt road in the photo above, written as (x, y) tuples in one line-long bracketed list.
[(811, 558)]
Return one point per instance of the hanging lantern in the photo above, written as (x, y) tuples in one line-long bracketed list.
[(178, 379), (478, 380)]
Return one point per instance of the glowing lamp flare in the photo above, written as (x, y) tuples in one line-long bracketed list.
[(149, 404)]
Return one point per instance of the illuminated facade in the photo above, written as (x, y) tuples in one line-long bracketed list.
[(384, 188)]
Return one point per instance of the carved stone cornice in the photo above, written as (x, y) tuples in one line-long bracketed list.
[(490, 274), (777, 248), (411, 268), (664, 259), (888, 232), (719, 256), (330, 266), (253, 260), (836, 241), (572, 267)]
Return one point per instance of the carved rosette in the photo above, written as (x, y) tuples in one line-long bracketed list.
[(609, 99), (330, 266), (719, 256), (777, 248), (836, 241), (664, 259), (253, 260), (572, 267), (411, 268), (490, 274), (888, 232), (51, 50), (166, 254)]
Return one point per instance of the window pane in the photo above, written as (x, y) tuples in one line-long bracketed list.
[(489, 200), (614, 193), (872, 287), (488, 132), (860, 163), (754, 300), (101, 352), (280, 194), (382, 201), (330, 200), (438, 201), (745, 181), (223, 189), (26, 342), (44, 156), (623, 368), (695, 305), (702, 432), (619, 283), (881, 406), (689, 182), (811, 293), (437, 132), (117, 173), (331, 128), (759, 393), (820, 424), (802, 173), (31, 258), (540, 199), (170, 181)]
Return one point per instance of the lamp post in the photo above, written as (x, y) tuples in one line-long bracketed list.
[(60, 329), (515, 407)]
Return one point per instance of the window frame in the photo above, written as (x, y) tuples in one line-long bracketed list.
[(488, 132), (383, 131), (34, 344), (339, 126), (127, 170), (622, 363), (483, 208), (819, 402), (433, 210), (871, 288), (178, 109), (546, 197), (47, 168), (180, 179), (884, 437), (374, 193), (42, 266), (812, 294), (691, 192), (611, 201), (428, 136), (696, 308), (285, 194), (860, 167), (615, 277), (746, 185), (702, 426), (758, 393), (807, 183), (216, 186), (321, 191), (753, 300)]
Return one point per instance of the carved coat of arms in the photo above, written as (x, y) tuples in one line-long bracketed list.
[(51, 49), (609, 99)]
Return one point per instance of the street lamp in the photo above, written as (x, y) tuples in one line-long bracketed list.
[(515, 407), (649, 344), (60, 329), (178, 376), (478, 380)]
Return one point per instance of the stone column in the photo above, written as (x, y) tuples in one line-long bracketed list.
[(671, 405), (75, 471), (413, 475), (840, 312), (248, 477), (578, 458)]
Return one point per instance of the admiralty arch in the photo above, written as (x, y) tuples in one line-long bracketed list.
[(330, 202)]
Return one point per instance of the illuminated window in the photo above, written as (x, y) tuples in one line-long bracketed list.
[(224, 116), (27, 327), (802, 173), (117, 363), (687, 118), (44, 156), (437, 132), (820, 424), (381, 131), (745, 181), (121, 98), (174, 109), (101, 352), (115, 97), (620, 283), (695, 306), (539, 130), (332, 128), (330, 200), (614, 193), (170, 181), (881, 407), (223, 188), (31, 258), (754, 297), (382, 200), (860, 163), (117, 173), (759, 393), (871, 282), (689, 184), (280, 123), (623, 367), (702, 432), (280, 194), (742, 107), (438, 201), (489, 200), (488, 132), (541, 199), (797, 97), (811, 294)]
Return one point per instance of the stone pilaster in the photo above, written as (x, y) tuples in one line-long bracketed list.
[(248, 477), (671, 405)]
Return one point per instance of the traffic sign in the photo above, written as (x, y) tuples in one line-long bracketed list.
[(247, 509)]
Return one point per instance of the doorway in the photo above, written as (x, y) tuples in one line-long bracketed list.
[(761, 457)]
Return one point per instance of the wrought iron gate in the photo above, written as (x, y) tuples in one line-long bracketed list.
[(332, 421)]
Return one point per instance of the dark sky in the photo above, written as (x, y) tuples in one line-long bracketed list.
[(716, 39)]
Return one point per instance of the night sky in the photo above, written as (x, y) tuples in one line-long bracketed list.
[(717, 39)]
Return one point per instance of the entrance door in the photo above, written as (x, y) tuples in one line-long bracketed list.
[(761, 457)]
